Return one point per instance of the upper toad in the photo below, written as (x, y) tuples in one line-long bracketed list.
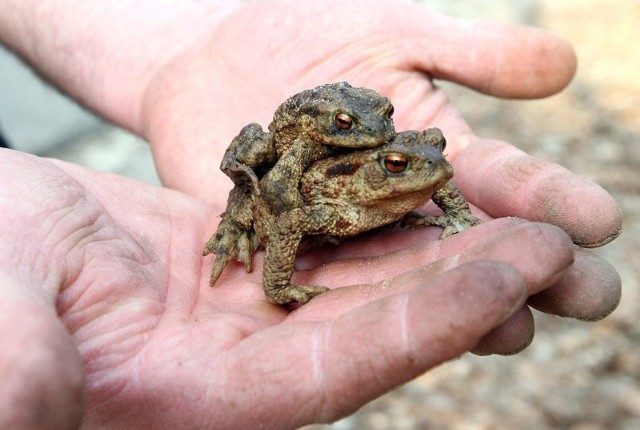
[(309, 126)]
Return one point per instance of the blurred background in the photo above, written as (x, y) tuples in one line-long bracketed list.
[(575, 375)]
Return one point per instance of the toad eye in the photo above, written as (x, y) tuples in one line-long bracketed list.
[(443, 144), (396, 163), (343, 121), (390, 111)]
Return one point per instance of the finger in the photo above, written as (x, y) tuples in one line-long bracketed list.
[(331, 368), (540, 252), (504, 181), (494, 58), (510, 337), (42, 374), (532, 249), (590, 290)]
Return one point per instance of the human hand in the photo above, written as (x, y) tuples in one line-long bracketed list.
[(268, 50), (104, 292), (200, 101), (192, 76)]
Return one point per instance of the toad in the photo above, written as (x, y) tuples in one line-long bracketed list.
[(351, 193), (307, 127)]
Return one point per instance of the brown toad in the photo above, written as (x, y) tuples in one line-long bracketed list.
[(307, 127), (312, 123), (351, 193)]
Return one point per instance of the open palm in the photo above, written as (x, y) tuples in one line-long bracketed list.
[(119, 263)]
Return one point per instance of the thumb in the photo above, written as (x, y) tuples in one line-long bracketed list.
[(391, 341), (40, 369), (494, 58), (355, 357)]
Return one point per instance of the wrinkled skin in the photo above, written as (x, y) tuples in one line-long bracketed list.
[(114, 294)]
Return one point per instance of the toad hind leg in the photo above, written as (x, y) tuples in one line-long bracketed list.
[(229, 241), (234, 237), (281, 250)]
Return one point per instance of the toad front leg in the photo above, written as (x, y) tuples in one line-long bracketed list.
[(286, 233), (457, 216), (252, 149)]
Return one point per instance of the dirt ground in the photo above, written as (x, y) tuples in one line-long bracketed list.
[(575, 375)]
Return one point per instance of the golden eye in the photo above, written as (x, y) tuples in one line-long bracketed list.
[(343, 121), (443, 144), (396, 163)]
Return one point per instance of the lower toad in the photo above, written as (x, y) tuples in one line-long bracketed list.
[(346, 195)]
